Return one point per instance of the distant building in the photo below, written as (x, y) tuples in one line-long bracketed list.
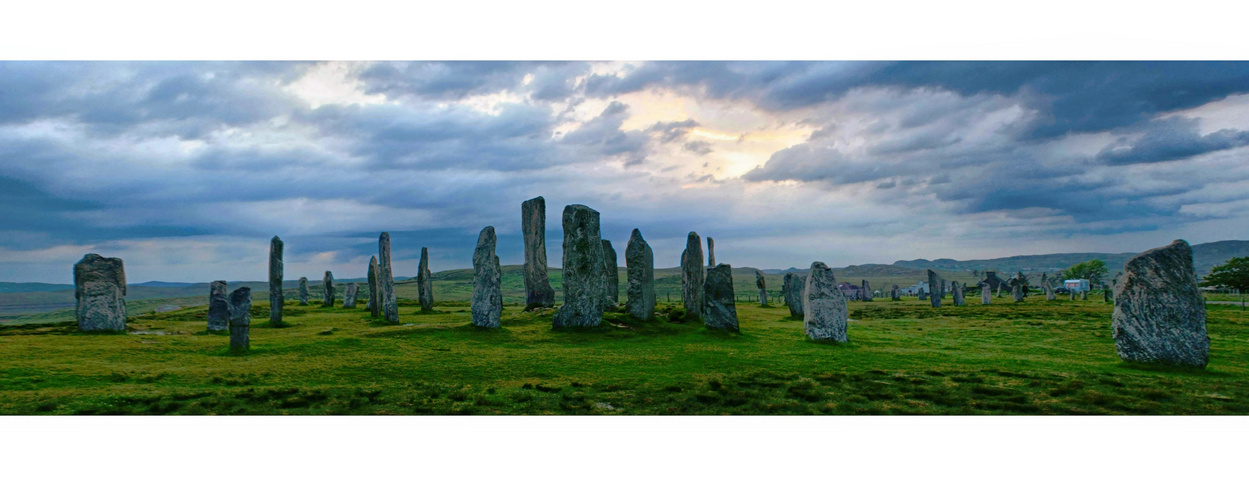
[(850, 291), (994, 281), (1077, 285), (914, 290)]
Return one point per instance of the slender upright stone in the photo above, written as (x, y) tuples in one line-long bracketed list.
[(640, 264), (386, 280), (611, 275), (218, 307), (1160, 315), (1049, 289), (721, 309), (934, 282), (240, 319), (375, 293), (762, 284), (1072, 292), (538, 291), (867, 292), (956, 290), (985, 295), (1016, 287), (692, 276), (711, 252), (303, 291), (276, 299), (328, 293), (349, 296), (792, 289), (487, 301), (999, 290), (893, 292), (583, 269), (425, 282), (827, 315), (100, 290)]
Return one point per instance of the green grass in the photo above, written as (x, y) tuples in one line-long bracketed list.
[(903, 358)]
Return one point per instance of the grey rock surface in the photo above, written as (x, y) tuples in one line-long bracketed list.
[(894, 292), (711, 252), (487, 301), (720, 312), (349, 296), (425, 282), (218, 307), (611, 275), (935, 283), (538, 291), (386, 281), (826, 313), (985, 295), (761, 283), (303, 291), (692, 275), (1160, 315), (792, 289), (583, 269), (1016, 287), (327, 293), (240, 319), (956, 290), (100, 291), (867, 292), (375, 305), (276, 298), (640, 272)]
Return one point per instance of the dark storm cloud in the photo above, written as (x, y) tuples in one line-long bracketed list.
[(552, 81), (1171, 139)]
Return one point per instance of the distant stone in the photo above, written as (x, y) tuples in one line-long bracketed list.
[(826, 315), (985, 296), (538, 291), (640, 271), (692, 276), (1160, 315), (328, 292), (956, 290), (583, 269), (721, 310), (487, 301), (276, 299), (1049, 289), (935, 281), (711, 252), (425, 282), (303, 291), (375, 305), (923, 295), (894, 292), (1072, 292), (164, 308), (867, 292), (792, 289), (611, 275), (240, 319), (349, 296), (762, 284), (100, 291), (1016, 287), (218, 307), (386, 281)]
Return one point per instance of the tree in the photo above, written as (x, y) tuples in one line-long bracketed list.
[(1093, 270), (1233, 274)]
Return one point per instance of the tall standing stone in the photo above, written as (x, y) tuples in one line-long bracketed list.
[(1049, 290), (640, 264), (100, 291), (762, 284), (303, 291), (375, 291), (893, 292), (218, 307), (867, 292), (721, 310), (583, 269), (349, 296), (425, 282), (538, 291), (240, 319), (985, 295), (792, 289), (328, 293), (711, 252), (386, 280), (692, 276), (935, 281), (487, 301), (956, 291), (611, 275), (1160, 315), (1016, 287), (827, 315), (276, 299)]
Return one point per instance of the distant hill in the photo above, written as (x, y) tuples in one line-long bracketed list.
[(1205, 257), (6, 287)]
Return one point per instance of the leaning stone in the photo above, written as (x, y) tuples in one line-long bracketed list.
[(956, 290), (1160, 315), (934, 281), (827, 315), (328, 293), (792, 289), (240, 319), (640, 271), (721, 310), (762, 284), (692, 276), (425, 282), (100, 291), (303, 291), (583, 269), (375, 305), (487, 301), (386, 281), (276, 299), (538, 291), (349, 296), (218, 307), (611, 275), (711, 252)]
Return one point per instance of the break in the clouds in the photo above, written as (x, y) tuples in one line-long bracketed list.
[(186, 169)]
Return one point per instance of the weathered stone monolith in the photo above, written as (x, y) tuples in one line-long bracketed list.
[(1084, 295), (303, 291), (894, 292), (1160, 315), (923, 295), (827, 315), (1049, 290), (985, 295), (762, 284), (276, 299), (386, 281), (425, 282), (721, 310), (240, 319), (692, 275), (538, 291), (1016, 287), (867, 292), (1072, 292), (583, 269), (487, 301), (100, 290), (935, 283), (956, 291), (374, 305), (711, 252), (792, 289), (611, 275), (218, 307), (327, 293), (640, 283), (349, 296)]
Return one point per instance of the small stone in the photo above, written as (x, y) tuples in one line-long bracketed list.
[(487, 301), (721, 310), (826, 313), (1160, 315), (100, 290), (218, 307), (640, 271), (240, 319)]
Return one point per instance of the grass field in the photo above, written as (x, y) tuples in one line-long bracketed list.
[(903, 358)]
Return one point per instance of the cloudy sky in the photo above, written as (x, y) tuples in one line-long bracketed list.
[(185, 170)]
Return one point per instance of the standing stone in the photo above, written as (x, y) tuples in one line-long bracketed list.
[(349, 296), (425, 282), (328, 293), (583, 269), (1016, 287), (792, 289), (721, 310), (762, 284), (375, 304), (303, 291), (867, 292), (956, 290), (240, 319), (218, 307), (711, 252), (1049, 290), (487, 301), (538, 291), (999, 290), (276, 299), (985, 296), (386, 280), (611, 275), (640, 267), (1160, 315), (935, 281), (100, 290), (826, 315), (893, 292), (692, 276), (923, 295), (1072, 292)]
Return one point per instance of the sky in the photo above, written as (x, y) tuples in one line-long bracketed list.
[(186, 169)]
